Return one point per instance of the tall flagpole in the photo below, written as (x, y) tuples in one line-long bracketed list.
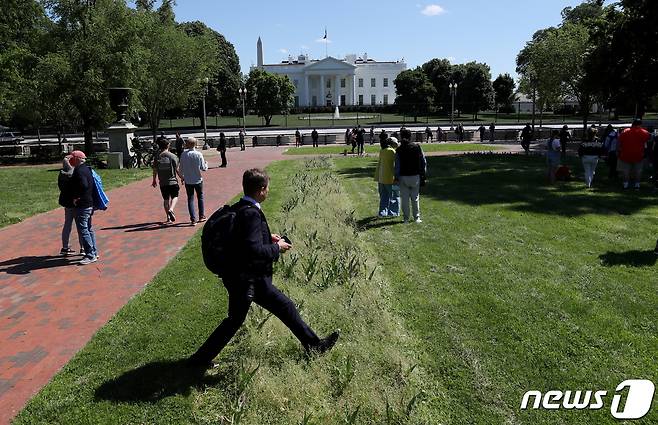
[(326, 43)]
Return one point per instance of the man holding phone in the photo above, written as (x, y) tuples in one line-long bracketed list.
[(251, 276)]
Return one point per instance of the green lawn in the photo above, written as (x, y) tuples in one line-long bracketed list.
[(427, 147), (507, 286), (30, 190)]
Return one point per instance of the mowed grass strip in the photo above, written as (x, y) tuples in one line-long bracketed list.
[(513, 286), (374, 149), (132, 370), (30, 190)]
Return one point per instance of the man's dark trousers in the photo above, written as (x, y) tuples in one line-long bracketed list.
[(240, 297)]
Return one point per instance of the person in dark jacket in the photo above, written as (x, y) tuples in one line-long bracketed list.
[(565, 138), (410, 168), (383, 137), (66, 201), (360, 140), (222, 149), (526, 137), (250, 279), (82, 183), (589, 152), (180, 143), (314, 137)]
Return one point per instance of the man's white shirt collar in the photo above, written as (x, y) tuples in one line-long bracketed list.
[(252, 200)]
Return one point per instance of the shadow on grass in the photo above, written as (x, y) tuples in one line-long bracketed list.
[(629, 258), (376, 222), (25, 265), (155, 381), (517, 183)]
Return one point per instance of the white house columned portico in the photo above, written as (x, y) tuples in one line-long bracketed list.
[(337, 82)]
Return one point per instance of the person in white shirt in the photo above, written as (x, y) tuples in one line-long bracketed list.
[(553, 151), (191, 165)]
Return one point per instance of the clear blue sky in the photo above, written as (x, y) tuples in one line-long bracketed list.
[(491, 31)]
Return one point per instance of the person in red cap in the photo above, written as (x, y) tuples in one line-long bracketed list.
[(630, 152), (82, 184)]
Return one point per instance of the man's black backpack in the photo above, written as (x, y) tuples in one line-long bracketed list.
[(216, 239)]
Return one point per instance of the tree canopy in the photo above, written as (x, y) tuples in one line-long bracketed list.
[(269, 94)]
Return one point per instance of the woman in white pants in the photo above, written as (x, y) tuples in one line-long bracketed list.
[(589, 152), (410, 168)]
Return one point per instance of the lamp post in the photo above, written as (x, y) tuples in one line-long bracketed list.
[(205, 116), (453, 93), (243, 96)]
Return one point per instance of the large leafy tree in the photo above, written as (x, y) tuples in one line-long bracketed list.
[(224, 81), (22, 29), (503, 87), (439, 72), (173, 67), (269, 94), (415, 92), (475, 89), (100, 44)]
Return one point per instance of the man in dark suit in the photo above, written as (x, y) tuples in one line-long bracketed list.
[(251, 277)]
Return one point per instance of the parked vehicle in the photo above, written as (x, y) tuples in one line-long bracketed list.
[(10, 138)]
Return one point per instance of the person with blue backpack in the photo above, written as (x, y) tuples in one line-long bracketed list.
[(83, 193)]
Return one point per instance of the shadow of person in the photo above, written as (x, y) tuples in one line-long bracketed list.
[(25, 265), (155, 381), (376, 222), (629, 258)]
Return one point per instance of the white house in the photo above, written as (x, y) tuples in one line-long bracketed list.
[(330, 81)]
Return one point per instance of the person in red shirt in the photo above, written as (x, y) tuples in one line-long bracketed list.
[(630, 152)]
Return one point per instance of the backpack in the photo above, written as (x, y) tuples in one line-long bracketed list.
[(216, 239), (101, 201)]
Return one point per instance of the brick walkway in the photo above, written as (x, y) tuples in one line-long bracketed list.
[(50, 307)]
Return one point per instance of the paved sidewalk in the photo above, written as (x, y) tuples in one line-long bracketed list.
[(50, 307)]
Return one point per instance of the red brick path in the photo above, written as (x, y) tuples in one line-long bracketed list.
[(50, 307)]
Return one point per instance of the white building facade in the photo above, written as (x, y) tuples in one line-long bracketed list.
[(337, 82)]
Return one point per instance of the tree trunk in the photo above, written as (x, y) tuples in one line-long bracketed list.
[(268, 119), (89, 140)]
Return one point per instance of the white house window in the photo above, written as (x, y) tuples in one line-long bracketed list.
[(328, 84), (360, 100), (342, 99), (385, 99), (373, 82), (295, 83), (296, 101), (360, 82), (314, 101), (373, 99), (342, 83), (385, 82)]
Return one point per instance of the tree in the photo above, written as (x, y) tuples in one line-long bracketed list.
[(503, 87), (415, 92), (475, 89), (174, 68), (269, 94), (22, 27), (225, 78), (99, 42), (439, 72)]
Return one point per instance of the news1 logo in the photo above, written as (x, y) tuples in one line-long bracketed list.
[(637, 404)]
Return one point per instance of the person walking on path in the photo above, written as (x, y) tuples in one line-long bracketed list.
[(241, 136), (526, 138), (249, 278), (410, 171), (630, 153), (165, 169), (314, 136), (372, 135), (389, 202), (482, 129), (83, 186), (565, 138), (360, 140), (439, 134), (492, 133), (429, 137), (459, 130), (610, 141), (66, 200), (553, 156), (180, 143), (383, 137), (589, 152), (191, 166), (222, 150), (298, 138)]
